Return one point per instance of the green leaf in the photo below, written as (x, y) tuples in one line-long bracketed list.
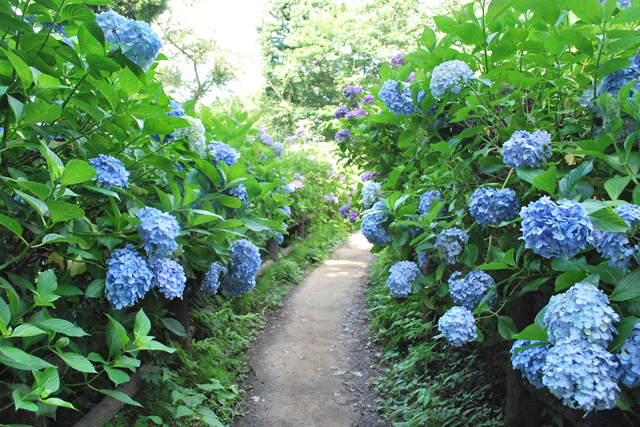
[(95, 289), (546, 181), (18, 359), (494, 266), (36, 203), (568, 279), (59, 238), (607, 220), (624, 330), (532, 332), (78, 362), (54, 162), (22, 69), (108, 92), (63, 211), (23, 404), (117, 376), (209, 417), (445, 24), (118, 395), (54, 401), (48, 381), (37, 112), (118, 332), (616, 185), (61, 326), (589, 11), (142, 325), (77, 171), (174, 326), (128, 82), (630, 14), (496, 9), (11, 224), (77, 12), (571, 179), (628, 288), (27, 330), (506, 328)]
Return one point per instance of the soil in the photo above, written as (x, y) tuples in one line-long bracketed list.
[(313, 366)]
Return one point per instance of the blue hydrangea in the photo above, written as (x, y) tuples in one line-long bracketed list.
[(239, 191), (222, 152), (555, 230), (176, 109), (424, 259), (168, 277), (287, 210), (623, 3), (582, 374), (581, 313), (449, 75), (158, 231), (265, 137), (245, 263), (530, 361), (342, 135), (490, 206), (278, 148), (370, 193), (526, 149), (458, 326), (617, 247), (128, 277), (399, 103), (401, 275), (613, 82), (469, 291), (372, 226), (211, 280), (427, 199), (279, 237), (341, 112), (136, 39), (628, 357), (451, 242), (110, 172)]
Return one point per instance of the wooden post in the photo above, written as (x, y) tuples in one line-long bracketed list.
[(272, 248)]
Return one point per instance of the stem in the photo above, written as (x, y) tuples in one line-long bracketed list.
[(55, 19), (24, 251)]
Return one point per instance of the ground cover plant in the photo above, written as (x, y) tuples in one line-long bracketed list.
[(501, 160)]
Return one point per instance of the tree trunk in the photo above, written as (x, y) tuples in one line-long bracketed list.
[(181, 309)]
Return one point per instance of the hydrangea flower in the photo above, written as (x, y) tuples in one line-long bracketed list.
[(136, 39), (110, 172), (526, 149), (424, 259), (176, 109), (555, 230), (245, 263), (295, 184), (371, 191), (490, 206), (168, 277), (128, 277), (312, 158), (279, 237), (581, 313), (629, 358), (411, 77), (358, 112), (401, 276), (331, 198), (613, 82), (342, 135), (451, 243), (265, 137), (530, 361), (222, 152), (369, 99), (194, 135), (427, 199), (372, 226), (469, 291), (616, 247), (344, 211), (278, 148), (341, 112), (351, 91), (211, 280), (400, 104), (287, 210), (398, 60), (353, 216), (239, 191), (158, 231), (369, 175), (458, 326), (449, 75), (582, 374)]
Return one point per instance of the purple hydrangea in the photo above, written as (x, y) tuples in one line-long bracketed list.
[(211, 280), (526, 149), (265, 137), (331, 198), (351, 91), (530, 361), (353, 216), (629, 358), (398, 60), (128, 277), (344, 211), (490, 206), (411, 77), (449, 75), (401, 276), (555, 230), (110, 172), (369, 175), (343, 135), (617, 247), (427, 199), (451, 242), (359, 112), (369, 99), (581, 313), (168, 277), (245, 263), (158, 231), (372, 226), (470, 290), (341, 112), (222, 152), (278, 148), (458, 326)]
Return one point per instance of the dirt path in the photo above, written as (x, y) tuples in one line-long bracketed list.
[(312, 364)]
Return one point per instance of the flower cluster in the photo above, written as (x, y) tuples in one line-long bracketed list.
[(245, 263), (278, 149), (331, 198), (424, 259), (469, 291), (287, 210), (110, 172), (222, 152), (490, 206), (401, 275), (342, 135), (451, 243), (136, 39), (629, 358), (427, 199), (449, 75), (352, 91), (369, 175), (353, 216), (265, 137), (295, 184), (158, 231), (358, 112), (555, 230), (400, 103), (613, 82), (616, 247), (398, 60), (369, 99), (168, 277), (239, 191), (458, 326), (211, 280), (194, 135), (581, 313), (176, 109), (370, 193), (279, 237), (582, 374), (530, 361), (128, 277), (373, 225), (341, 112), (526, 149), (344, 211)]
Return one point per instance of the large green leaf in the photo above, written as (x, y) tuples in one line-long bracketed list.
[(628, 288), (77, 171), (63, 211)]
